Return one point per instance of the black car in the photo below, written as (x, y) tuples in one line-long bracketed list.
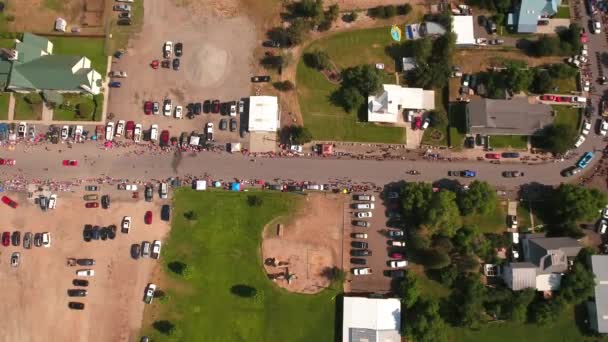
[(358, 244), (95, 233), (363, 224), (358, 261), (91, 188), (469, 142), (76, 306), (80, 282), (16, 238), (233, 125), (271, 43), (123, 22), (510, 155), (85, 262), (197, 108), (260, 79), (175, 63), (38, 239), (223, 124), (118, 54), (165, 212), (277, 187), (27, 240), (87, 233), (105, 201), (103, 233), (360, 252), (207, 106), (178, 49), (294, 188), (397, 273), (112, 232), (77, 293), (135, 251), (148, 193)]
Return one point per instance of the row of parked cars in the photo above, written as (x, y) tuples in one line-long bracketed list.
[(231, 108), (360, 249), (146, 249), (86, 272), (29, 239)]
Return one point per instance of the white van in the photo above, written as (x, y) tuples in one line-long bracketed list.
[(163, 190), (602, 226), (154, 133), (579, 99), (364, 206)]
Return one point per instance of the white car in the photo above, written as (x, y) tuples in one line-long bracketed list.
[(396, 243), (362, 271), (605, 213), (155, 108), (360, 236), (137, 133), (481, 41), (597, 27), (78, 132), (580, 141), (586, 127), (52, 202), (163, 189), (167, 107), (209, 131), (126, 224), (363, 214), (604, 128), (154, 132), (156, 246), (168, 50), (110, 131), (380, 66), (150, 289), (586, 85), (118, 74), (85, 273), (131, 187), (397, 263), (46, 239), (364, 206), (241, 107), (65, 132), (232, 109), (125, 1), (120, 128), (22, 129), (178, 112), (369, 198)]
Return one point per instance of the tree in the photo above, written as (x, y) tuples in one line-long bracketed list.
[(390, 11), (365, 78), (466, 239), (542, 82), (423, 323), (574, 202), (468, 263), (448, 275), (349, 98), (286, 85), (164, 327), (353, 16), (518, 308), (546, 311), (415, 200), (480, 198), (332, 13), (467, 301), (559, 138), (191, 215), (439, 118), (308, 8), (255, 201), (443, 214), (435, 259), (424, 49), (298, 135), (562, 71), (377, 12), (518, 79), (274, 62), (317, 59), (404, 9), (85, 109), (296, 32), (577, 284), (409, 289)]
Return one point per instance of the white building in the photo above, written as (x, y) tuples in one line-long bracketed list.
[(462, 26), (263, 114), (371, 320), (388, 106)]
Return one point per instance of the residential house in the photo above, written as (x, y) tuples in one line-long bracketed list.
[(33, 67), (389, 105), (598, 308), (371, 319), (546, 259), (507, 117), (533, 13)]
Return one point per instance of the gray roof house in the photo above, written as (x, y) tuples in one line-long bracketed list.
[(531, 12), (507, 117), (546, 259), (598, 309)]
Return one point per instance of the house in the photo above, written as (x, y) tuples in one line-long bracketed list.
[(598, 308), (371, 319), (393, 99), (33, 67), (507, 117), (546, 260), (532, 13)]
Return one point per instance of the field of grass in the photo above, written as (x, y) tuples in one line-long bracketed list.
[(92, 48), (4, 97), (565, 85), (568, 116), (67, 112), (26, 111), (517, 142), (563, 12), (121, 34), (222, 251), (494, 222), (7, 43)]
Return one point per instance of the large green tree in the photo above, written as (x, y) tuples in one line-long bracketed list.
[(409, 288), (480, 198), (574, 202), (443, 216), (415, 199), (518, 308), (423, 322), (467, 301), (559, 138), (577, 284), (365, 78), (518, 79)]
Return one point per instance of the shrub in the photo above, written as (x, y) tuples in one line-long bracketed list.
[(85, 109), (404, 9), (191, 215), (10, 17), (164, 327), (317, 59), (254, 201), (284, 85), (353, 16)]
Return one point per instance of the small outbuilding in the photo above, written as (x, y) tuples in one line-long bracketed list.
[(61, 25)]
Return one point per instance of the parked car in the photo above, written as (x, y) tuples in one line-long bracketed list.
[(510, 155), (155, 108), (215, 106), (15, 259), (156, 247), (167, 107), (233, 125), (85, 262), (77, 293), (209, 131), (363, 224), (91, 188), (396, 273), (91, 205), (396, 243), (395, 233), (148, 193), (359, 235), (178, 49), (167, 49), (358, 261), (363, 214), (512, 174), (493, 155), (85, 273), (115, 84), (80, 282), (361, 206), (46, 239), (135, 251), (149, 294), (69, 162), (122, 8), (396, 255), (359, 244), (175, 64), (179, 112), (154, 132), (362, 271), (16, 238), (105, 201), (397, 263), (27, 240), (260, 79), (223, 124), (6, 200), (165, 212), (148, 217), (364, 197), (76, 306), (585, 160), (360, 252), (110, 131), (145, 249), (6, 239)]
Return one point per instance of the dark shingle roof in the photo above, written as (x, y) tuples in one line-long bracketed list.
[(507, 117)]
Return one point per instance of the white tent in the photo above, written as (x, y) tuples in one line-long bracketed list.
[(263, 114), (60, 25), (200, 185), (462, 25)]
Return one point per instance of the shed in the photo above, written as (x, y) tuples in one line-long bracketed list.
[(235, 147), (200, 185), (61, 25)]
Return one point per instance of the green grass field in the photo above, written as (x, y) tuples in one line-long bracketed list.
[(26, 111), (563, 12), (4, 97), (92, 48), (567, 115), (494, 222), (121, 34), (517, 142), (63, 114), (565, 85), (222, 250)]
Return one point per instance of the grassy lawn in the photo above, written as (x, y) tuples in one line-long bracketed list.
[(509, 141), (431, 135), (494, 222), (26, 111), (7, 43), (92, 48), (67, 111), (458, 127), (222, 250), (563, 12), (567, 115), (429, 288), (565, 85), (121, 34), (327, 121), (4, 106)]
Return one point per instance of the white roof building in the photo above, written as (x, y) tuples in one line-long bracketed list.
[(371, 320), (462, 25), (263, 114), (387, 106)]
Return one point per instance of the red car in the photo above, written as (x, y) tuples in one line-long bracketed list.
[(396, 256), (148, 106), (417, 122), (493, 155), (7, 161), (91, 205), (9, 202), (215, 106), (548, 98), (67, 162), (583, 37), (148, 217), (6, 239), (164, 138), (562, 99), (154, 64)]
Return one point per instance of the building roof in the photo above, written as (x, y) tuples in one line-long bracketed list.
[(462, 25), (371, 319), (387, 106), (507, 117), (530, 11), (599, 316), (520, 275), (550, 254), (263, 114)]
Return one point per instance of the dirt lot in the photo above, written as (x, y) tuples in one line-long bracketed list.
[(40, 15), (311, 243), (34, 294), (216, 64)]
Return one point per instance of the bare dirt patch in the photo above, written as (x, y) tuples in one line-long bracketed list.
[(40, 15), (311, 243), (34, 294)]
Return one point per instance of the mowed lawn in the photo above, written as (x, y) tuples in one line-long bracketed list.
[(92, 48), (222, 248), (567, 116)]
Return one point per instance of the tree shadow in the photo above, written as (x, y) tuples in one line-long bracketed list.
[(581, 318), (604, 59), (164, 327), (177, 267), (243, 291)]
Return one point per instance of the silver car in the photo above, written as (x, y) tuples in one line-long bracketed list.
[(15, 259)]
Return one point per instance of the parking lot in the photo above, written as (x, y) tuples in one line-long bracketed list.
[(34, 296), (378, 241), (214, 65)]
